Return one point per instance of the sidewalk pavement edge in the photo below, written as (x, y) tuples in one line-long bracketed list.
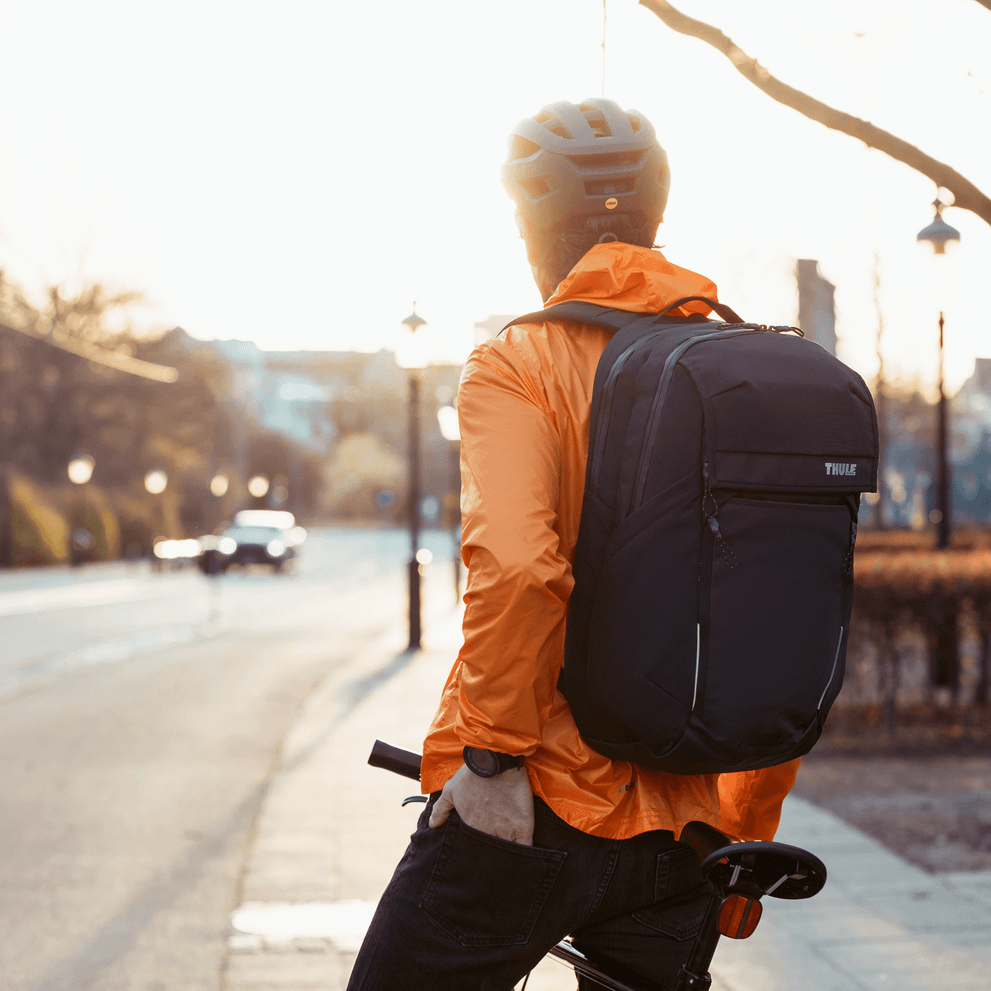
[(332, 829)]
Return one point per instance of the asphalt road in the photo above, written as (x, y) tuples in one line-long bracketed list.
[(141, 718)]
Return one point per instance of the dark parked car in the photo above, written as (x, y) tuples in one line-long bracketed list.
[(255, 545), (257, 536)]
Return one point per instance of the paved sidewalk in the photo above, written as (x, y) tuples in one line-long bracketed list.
[(332, 830)]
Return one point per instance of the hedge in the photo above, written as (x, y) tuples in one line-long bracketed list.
[(903, 583), (39, 532)]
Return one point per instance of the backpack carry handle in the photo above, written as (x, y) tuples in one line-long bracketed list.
[(727, 313)]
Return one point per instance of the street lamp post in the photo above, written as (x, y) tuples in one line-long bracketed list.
[(939, 234), (80, 471), (219, 485), (156, 482), (447, 420), (414, 363)]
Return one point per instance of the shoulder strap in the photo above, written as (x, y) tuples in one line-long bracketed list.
[(629, 328), (609, 317), (576, 311)]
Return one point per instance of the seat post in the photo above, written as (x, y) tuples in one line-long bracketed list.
[(695, 973)]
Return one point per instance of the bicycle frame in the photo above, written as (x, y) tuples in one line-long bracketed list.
[(739, 873)]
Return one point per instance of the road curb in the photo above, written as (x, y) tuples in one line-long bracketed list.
[(331, 828)]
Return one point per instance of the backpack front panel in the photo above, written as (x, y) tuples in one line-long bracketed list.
[(643, 641), (784, 415), (773, 625), (714, 613)]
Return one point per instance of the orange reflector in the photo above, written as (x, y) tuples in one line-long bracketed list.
[(738, 916)]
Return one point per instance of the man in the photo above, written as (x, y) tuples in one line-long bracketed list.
[(529, 834)]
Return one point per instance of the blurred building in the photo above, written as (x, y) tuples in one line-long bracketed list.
[(816, 309), (972, 406), (295, 392), (970, 450), (347, 406), (909, 476)]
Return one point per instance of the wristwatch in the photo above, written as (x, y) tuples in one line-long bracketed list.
[(488, 763)]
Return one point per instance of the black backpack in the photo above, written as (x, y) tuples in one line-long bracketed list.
[(707, 629)]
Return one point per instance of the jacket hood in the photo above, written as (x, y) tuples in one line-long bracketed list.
[(639, 280)]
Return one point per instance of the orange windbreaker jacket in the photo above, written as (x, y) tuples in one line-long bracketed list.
[(523, 408)]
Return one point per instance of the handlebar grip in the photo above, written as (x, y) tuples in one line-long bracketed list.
[(395, 759)]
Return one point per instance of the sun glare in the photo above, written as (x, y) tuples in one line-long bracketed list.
[(296, 180)]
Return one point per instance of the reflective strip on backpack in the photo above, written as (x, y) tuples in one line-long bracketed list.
[(698, 652), (836, 657)]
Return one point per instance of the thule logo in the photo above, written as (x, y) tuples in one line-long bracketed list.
[(835, 468)]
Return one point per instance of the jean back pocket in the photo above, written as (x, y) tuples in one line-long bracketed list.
[(681, 894), (485, 891)]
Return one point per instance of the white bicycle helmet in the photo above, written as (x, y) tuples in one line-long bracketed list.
[(590, 159)]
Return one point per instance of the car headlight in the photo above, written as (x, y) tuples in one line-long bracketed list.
[(276, 548), (227, 545)]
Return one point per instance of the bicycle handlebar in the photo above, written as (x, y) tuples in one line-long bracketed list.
[(395, 759)]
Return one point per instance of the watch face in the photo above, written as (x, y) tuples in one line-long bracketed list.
[(483, 762)]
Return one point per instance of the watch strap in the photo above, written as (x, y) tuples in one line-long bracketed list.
[(504, 762)]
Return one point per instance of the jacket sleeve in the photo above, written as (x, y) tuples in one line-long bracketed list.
[(750, 801), (518, 581)]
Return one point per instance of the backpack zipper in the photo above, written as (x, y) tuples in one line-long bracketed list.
[(667, 374), (599, 447)]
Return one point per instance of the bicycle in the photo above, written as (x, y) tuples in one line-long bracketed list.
[(740, 874)]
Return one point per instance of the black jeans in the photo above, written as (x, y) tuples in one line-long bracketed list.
[(466, 911)]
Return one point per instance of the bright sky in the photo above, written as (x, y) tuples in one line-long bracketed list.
[(298, 174)]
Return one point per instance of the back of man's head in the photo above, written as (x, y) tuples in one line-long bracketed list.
[(580, 175)]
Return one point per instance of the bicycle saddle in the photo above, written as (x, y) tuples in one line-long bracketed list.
[(755, 868)]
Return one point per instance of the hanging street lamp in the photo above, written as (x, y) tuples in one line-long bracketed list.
[(939, 234)]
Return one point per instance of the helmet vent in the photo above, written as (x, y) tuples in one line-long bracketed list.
[(611, 187), (599, 127), (523, 148), (553, 124), (536, 187), (616, 159), (596, 120), (635, 124)]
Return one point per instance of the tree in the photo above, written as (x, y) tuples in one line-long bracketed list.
[(76, 325), (966, 195), (69, 386)]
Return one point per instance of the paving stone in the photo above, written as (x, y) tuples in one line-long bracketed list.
[(282, 971), (913, 965), (767, 963)]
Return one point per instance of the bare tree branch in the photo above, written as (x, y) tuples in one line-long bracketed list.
[(966, 195), (102, 356)]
